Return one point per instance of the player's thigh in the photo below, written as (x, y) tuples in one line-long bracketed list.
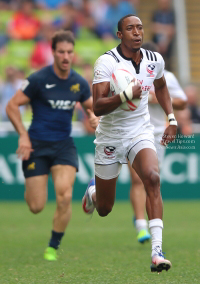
[(63, 177), (36, 171), (106, 178), (146, 164), (36, 191)]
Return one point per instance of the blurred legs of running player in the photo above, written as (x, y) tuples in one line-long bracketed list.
[(36, 196), (138, 203), (138, 195)]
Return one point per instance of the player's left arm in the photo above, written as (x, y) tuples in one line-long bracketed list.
[(164, 100), (88, 107)]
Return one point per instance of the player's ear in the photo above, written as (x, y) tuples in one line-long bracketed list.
[(119, 35)]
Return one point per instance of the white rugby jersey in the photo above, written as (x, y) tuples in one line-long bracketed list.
[(128, 124), (157, 114)]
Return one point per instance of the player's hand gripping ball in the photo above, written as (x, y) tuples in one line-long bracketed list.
[(119, 81)]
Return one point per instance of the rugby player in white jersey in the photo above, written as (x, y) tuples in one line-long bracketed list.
[(123, 135), (158, 119)]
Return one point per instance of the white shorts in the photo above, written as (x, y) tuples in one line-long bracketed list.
[(111, 153), (160, 149)]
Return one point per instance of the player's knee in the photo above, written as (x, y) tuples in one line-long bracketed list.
[(35, 208), (152, 180), (103, 210), (64, 200)]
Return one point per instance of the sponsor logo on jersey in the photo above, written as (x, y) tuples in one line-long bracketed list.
[(150, 70), (144, 88), (50, 86), (31, 166), (75, 88), (60, 104), (109, 151)]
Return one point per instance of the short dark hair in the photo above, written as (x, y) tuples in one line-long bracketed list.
[(61, 36), (150, 45), (122, 19)]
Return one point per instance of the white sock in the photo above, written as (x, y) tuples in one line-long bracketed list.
[(140, 224), (156, 226)]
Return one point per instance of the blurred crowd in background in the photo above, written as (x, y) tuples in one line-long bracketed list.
[(26, 28)]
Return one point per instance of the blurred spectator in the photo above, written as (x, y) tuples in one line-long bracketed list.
[(12, 83), (114, 10), (85, 18), (20, 76), (98, 11), (192, 94), (88, 72), (50, 4), (42, 53), (135, 4), (163, 29), (4, 39), (24, 24), (5, 4), (9, 4), (77, 17), (8, 90)]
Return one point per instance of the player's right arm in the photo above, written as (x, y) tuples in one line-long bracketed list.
[(102, 104), (13, 112)]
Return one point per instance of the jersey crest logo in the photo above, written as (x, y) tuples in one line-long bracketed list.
[(110, 151), (75, 88), (150, 70), (31, 166)]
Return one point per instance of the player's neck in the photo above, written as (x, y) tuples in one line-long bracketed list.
[(130, 54), (61, 74)]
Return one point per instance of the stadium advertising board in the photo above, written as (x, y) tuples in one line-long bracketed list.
[(180, 173)]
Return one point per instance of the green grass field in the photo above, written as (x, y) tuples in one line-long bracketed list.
[(97, 250)]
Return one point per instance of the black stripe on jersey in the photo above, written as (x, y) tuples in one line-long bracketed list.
[(147, 54), (155, 56), (112, 54), (151, 55)]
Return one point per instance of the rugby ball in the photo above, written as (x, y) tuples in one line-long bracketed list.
[(119, 81)]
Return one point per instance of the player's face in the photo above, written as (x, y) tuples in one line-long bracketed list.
[(63, 55), (132, 33)]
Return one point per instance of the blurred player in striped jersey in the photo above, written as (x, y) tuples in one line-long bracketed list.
[(158, 119)]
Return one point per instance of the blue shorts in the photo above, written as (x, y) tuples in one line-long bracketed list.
[(47, 154)]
